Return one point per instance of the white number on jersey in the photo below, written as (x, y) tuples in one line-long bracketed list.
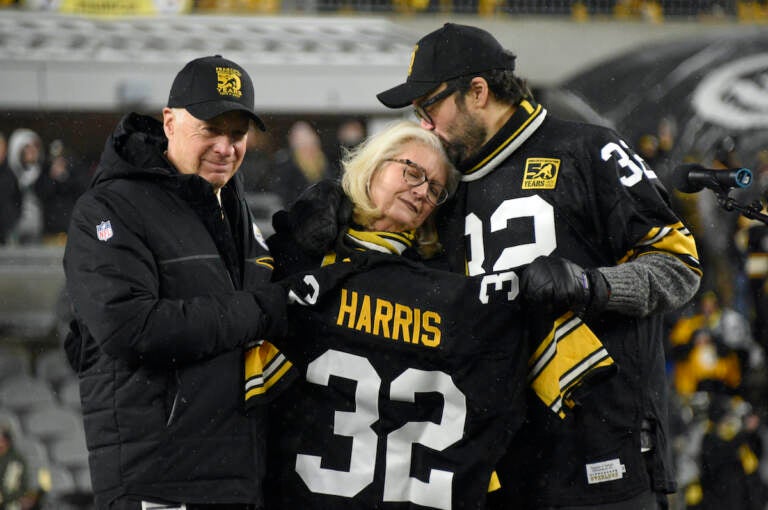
[(535, 207), (398, 484)]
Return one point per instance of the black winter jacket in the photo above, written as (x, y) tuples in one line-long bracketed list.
[(159, 280)]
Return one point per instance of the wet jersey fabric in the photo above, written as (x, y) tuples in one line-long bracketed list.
[(413, 384)]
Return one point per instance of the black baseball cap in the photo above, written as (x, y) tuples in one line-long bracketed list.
[(447, 53), (209, 86)]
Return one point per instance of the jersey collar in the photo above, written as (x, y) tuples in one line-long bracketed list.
[(384, 242), (524, 122)]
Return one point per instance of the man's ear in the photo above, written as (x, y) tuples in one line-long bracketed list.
[(169, 119), (478, 91)]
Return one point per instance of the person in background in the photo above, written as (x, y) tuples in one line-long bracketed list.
[(13, 473), (428, 365), (349, 134), (58, 188), (257, 163), (729, 460), (301, 164), (716, 343), (25, 159), (169, 281), (10, 195)]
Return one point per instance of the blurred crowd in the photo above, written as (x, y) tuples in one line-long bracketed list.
[(716, 347), (40, 181), (39, 185)]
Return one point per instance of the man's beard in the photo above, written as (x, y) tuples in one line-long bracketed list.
[(466, 139)]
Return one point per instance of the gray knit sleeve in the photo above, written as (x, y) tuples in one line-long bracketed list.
[(652, 283)]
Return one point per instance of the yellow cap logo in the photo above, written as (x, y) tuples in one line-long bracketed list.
[(228, 82), (413, 57), (541, 173)]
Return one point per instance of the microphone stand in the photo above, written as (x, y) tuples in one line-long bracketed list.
[(752, 211)]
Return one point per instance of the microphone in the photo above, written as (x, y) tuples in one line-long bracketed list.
[(691, 178)]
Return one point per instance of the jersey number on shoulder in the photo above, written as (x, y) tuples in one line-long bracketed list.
[(635, 165), (398, 484), (534, 207)]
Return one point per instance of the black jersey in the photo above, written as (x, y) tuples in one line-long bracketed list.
[(544, 186), (413, 384)]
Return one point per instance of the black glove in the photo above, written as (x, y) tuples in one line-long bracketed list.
[(272, 299), (317, 217), (555, 284)]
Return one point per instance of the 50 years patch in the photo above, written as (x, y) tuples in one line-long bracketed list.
[(541, 173)]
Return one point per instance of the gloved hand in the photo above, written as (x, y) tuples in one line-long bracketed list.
[(555, 284), (316, 217), (272, 298)]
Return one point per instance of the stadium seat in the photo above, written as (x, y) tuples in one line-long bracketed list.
[(10, 421), (263, 206), (62, 481), (22, 393), (34, 452), (70, 452), (52, 366), (50, 423), (13, 362), (83, 478), (69, 393)]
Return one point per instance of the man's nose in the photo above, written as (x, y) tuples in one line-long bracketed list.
[(224, 144)]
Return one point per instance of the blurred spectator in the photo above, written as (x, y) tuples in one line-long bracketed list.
[(13, 474), (257, 163), (25, 159), (303, 163), (58, 188), (713, 347), (705, 363), (10, 196), (752, 241), (723, 269), (648, 148), (667, 134), (730, 477), (350, 132), (726, 153)]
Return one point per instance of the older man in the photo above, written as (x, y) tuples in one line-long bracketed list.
[(168, 280)]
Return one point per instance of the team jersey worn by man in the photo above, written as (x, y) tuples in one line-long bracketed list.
[(413, 383), (587, 198)]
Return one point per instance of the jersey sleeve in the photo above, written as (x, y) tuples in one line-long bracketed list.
[(641, 220)]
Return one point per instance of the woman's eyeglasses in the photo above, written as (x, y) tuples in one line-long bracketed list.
[(421, 109), (415, 175)]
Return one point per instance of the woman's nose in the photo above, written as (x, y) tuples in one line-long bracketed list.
[(420, 190)]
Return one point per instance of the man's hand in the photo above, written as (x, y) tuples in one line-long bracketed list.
[(555, 284), (272, 299)]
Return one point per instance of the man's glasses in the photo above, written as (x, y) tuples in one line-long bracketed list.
[(415, 175), (421, 109)]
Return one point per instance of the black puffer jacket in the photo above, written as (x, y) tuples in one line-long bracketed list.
[(160, 287)]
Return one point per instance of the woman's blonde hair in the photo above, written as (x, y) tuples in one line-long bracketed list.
[(361, 162)]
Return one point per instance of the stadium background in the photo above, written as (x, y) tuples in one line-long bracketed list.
[(69, 69)]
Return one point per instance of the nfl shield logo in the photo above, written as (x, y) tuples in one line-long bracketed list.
[(104, 230)]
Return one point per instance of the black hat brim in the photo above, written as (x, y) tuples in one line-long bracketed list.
[(404, 94), (211, 109)]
